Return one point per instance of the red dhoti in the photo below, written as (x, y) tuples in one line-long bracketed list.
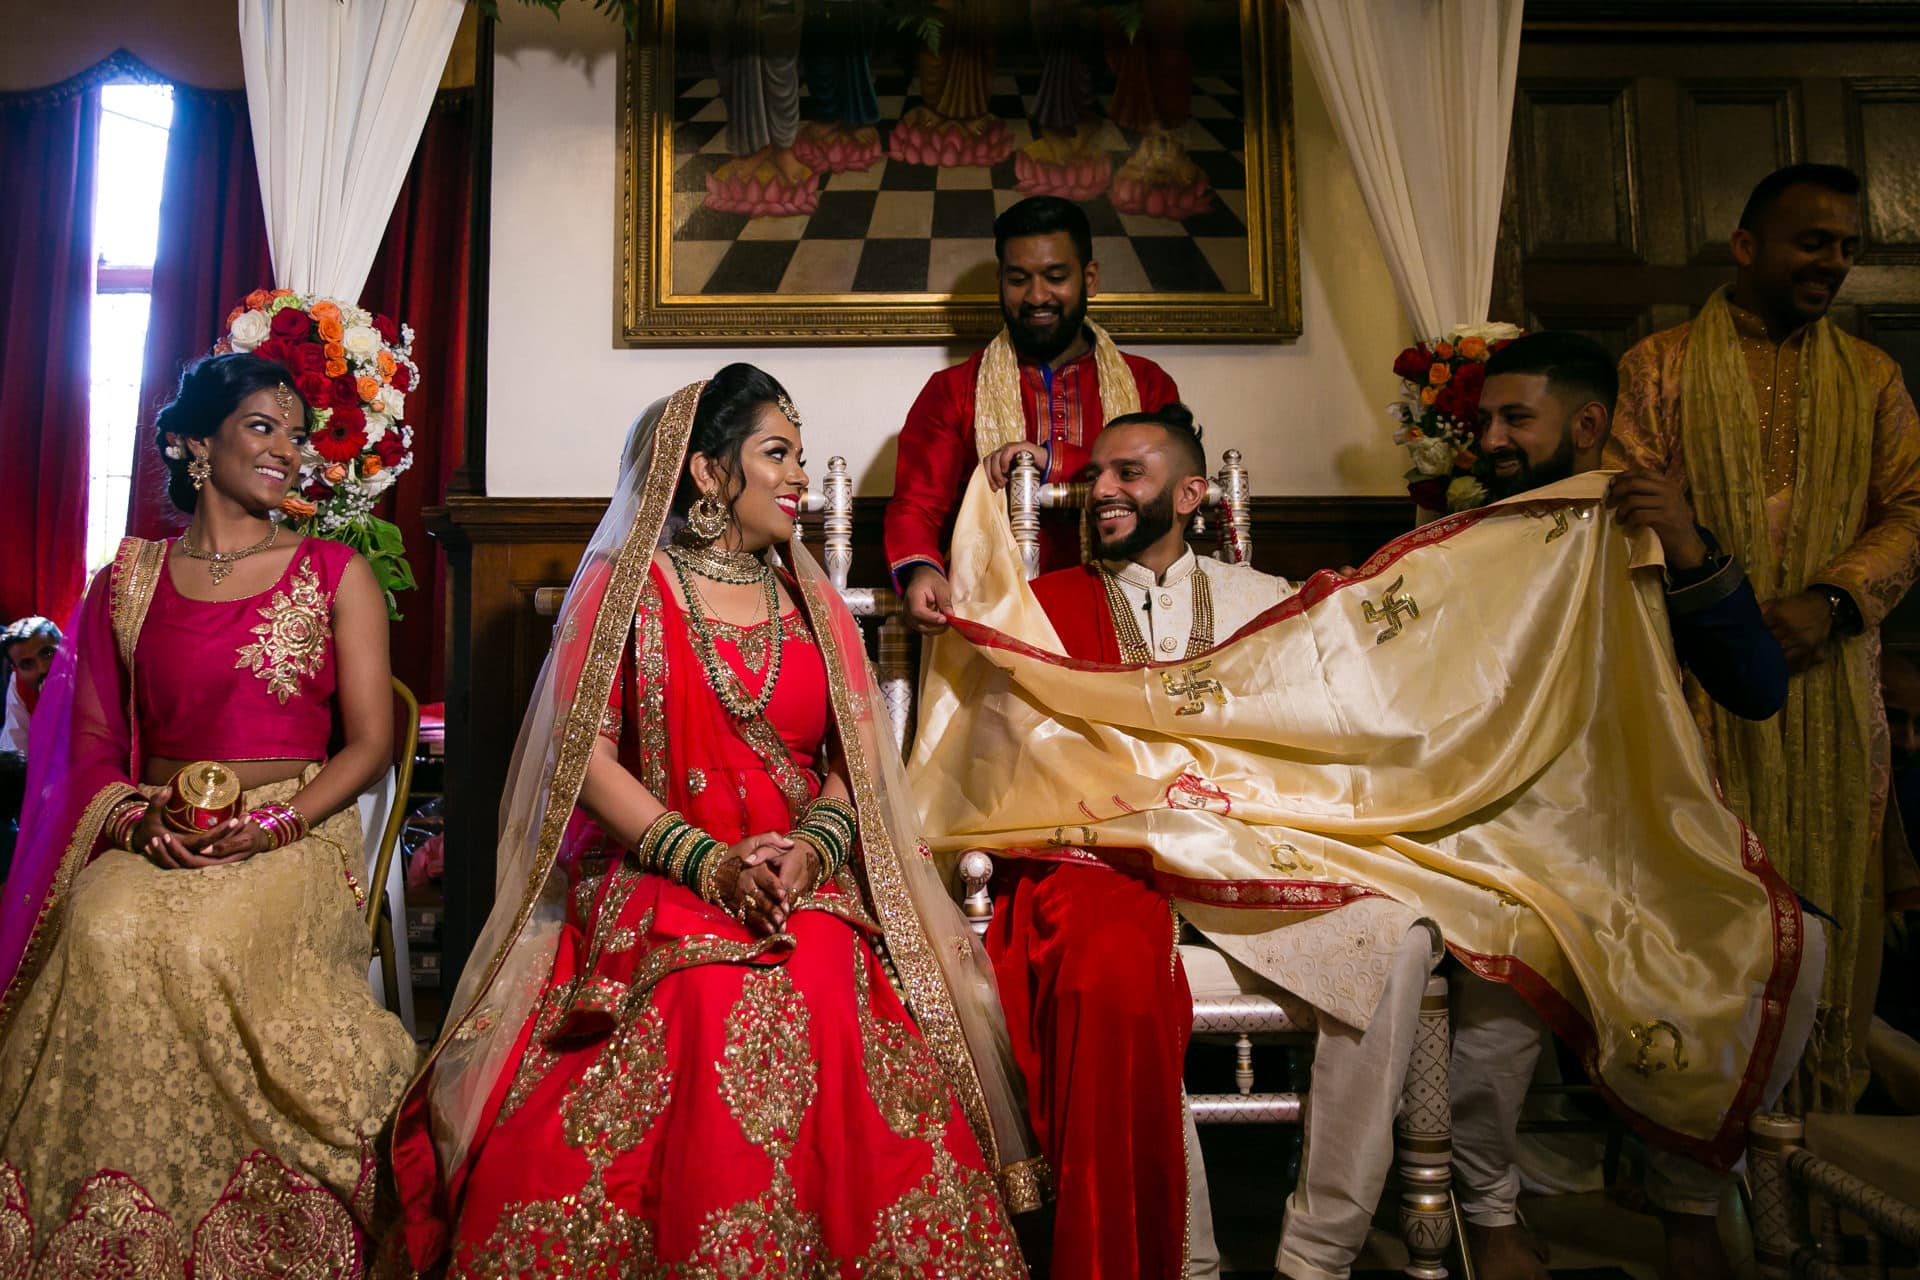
[(1099, 1011)]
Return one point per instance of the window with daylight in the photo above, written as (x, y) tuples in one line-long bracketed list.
[(134, 120)]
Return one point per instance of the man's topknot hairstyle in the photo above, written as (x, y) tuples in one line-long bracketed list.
[(1568, 360), (1043, 216), (1830, 177), (1177, 421)]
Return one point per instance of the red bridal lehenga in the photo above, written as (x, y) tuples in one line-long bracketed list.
[(194, 1073), (668, 1095)]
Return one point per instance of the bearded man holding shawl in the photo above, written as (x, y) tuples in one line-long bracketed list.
[(1802, 450), (1483, 725), (1083, 950), (1044, 386)]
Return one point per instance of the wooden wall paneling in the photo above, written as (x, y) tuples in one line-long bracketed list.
[(1580, 181), (1614, 327), (1883, 146), (1732, 134)]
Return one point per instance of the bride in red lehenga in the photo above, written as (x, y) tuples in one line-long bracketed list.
[(681, 1046)]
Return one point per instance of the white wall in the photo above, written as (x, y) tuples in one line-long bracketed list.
[(1307, 415)]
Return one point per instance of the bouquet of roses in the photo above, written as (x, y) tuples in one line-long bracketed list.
[(1438, 414), (356, 370)]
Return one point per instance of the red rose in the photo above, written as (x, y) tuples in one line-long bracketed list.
[(1469, 378), (307, 357), (1431, 493), (389, 331), (345, 395), (317, 490), (389, 448), (1413, 363), (313, 388), (402, 379), (291, 323), (275, 350), (344, 436)]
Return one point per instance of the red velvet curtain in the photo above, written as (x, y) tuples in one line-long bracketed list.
[(48, 144), (420, 277), (212, 252)]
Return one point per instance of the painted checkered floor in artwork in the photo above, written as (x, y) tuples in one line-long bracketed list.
[(908, 228)]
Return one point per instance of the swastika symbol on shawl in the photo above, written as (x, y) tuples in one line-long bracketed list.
[(1392, 610), (1187, 684)]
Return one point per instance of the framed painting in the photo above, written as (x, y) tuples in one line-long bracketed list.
[(818, 171)]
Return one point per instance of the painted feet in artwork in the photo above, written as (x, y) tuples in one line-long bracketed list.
[(772, 182), (923, 136), (1161, 181), (838, 148), (1064, 165)]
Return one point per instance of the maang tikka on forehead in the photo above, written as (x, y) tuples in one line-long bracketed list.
[(787, 410), (283, 395)]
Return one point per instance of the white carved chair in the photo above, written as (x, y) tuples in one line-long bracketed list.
[(1805, 1173), (1229, 1004)]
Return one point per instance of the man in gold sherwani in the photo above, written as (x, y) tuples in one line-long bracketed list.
[(1802, 451)]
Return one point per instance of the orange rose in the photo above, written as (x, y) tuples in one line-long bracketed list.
[(334, 351), (378, 405), (235, 314), (1473, 348), (335, 473), (326, 310), (280, 293), (1429, 394), (369, 388), (336, 368), (1464, 460), (298, 508), (329, 326), (369, 466), (1443, 350), (258, 299), (1439, 374), (385, 362)]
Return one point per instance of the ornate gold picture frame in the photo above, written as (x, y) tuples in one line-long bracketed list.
[(829, 171)]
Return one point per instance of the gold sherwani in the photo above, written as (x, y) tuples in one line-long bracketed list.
[(1484, 725), (1848, 877)]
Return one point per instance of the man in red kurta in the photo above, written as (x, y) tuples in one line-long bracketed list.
[(1058, 369)]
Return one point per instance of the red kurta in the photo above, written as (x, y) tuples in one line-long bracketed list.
[(937, 452), (1099, 1012)]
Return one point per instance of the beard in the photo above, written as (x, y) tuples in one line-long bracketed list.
[(1044, 345), (1530, 475), (1150, 524)]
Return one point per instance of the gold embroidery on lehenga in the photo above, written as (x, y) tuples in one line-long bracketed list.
[(113, 1217), (270, 1221), (569, 1236), (293, 638), (948, 1225), (616, 1100), (611, 724), (16, 1223), (902, 1075), (652, 658)]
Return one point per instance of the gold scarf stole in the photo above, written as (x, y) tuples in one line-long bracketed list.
[(1801, 777), (1517, 763), (999, 413)]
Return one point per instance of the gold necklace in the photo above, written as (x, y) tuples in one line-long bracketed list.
[(717, 564), (727, 685), (220, 563), (1126, 627)]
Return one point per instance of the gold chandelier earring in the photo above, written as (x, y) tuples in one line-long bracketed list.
[(707, 518), (199, 471)]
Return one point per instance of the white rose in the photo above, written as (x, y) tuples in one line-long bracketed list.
[(1465, 493), (396, 402), (377, 426), (250, 329), (362, 342), (1432, 456), (1489, 333)]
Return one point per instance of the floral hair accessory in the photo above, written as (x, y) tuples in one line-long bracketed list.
[(355, 370)]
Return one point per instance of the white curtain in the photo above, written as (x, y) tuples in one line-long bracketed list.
[(1421, 93), (338, 92)]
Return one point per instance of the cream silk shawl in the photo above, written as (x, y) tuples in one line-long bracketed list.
[(1485, 723), (999, 419)]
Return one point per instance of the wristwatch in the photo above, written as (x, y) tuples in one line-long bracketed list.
[(1843, 613)]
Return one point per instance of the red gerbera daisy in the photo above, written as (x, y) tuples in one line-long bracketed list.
[(344, 436)]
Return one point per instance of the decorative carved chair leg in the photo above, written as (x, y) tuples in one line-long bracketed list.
[(1243, 1064), (1424, 1141), (896, 678), (1779, 1210)]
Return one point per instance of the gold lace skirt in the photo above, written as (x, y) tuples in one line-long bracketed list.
[(185, 1020)]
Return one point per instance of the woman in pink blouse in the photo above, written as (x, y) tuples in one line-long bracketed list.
[(193, 1070)]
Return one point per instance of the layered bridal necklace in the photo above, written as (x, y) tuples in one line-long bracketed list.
[(220, 563), (738, 569)]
